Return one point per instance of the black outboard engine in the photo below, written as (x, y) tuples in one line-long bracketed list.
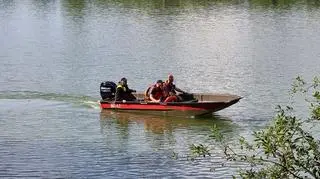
[(108, 90)]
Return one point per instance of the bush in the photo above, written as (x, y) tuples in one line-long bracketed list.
[(285, 148)]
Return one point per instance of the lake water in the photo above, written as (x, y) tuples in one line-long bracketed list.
[(54, 54)]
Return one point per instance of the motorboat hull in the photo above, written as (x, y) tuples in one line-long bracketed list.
[(173, 108)]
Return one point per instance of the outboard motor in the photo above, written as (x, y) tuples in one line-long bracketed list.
[(108, 90)]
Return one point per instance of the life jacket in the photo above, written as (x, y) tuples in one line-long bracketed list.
[(169, 88), (123, 87), (147, 93)]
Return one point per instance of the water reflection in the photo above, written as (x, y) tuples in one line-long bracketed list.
[(43, 5), (155, 4), (141, 134), (190, 4), (143, 142), (163, 125), (7, 5), (281, 4), (75, 8)]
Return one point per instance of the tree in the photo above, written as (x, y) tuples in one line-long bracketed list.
[(285, 148)]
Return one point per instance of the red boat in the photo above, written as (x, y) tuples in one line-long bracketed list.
[(204, 104)]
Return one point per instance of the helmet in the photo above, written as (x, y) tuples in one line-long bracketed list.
[(124, 79)]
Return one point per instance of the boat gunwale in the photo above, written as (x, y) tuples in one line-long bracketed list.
[(168, 103), (234, 98)]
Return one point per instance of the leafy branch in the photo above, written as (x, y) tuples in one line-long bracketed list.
[(284, 149)]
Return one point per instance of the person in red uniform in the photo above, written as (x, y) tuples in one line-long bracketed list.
[(170, 90), (156, 93)]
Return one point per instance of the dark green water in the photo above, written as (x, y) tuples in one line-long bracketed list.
[(54, 54)]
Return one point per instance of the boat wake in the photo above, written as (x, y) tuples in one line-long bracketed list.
[(80, 101)]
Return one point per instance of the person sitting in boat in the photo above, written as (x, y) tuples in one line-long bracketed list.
[(155, 93), (171, 87), (171, 90), (123, 92)]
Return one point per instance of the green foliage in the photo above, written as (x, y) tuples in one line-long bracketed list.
[(285, 149), (199, 150), (311, 93)]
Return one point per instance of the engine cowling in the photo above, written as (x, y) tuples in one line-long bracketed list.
[(108, 90)]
